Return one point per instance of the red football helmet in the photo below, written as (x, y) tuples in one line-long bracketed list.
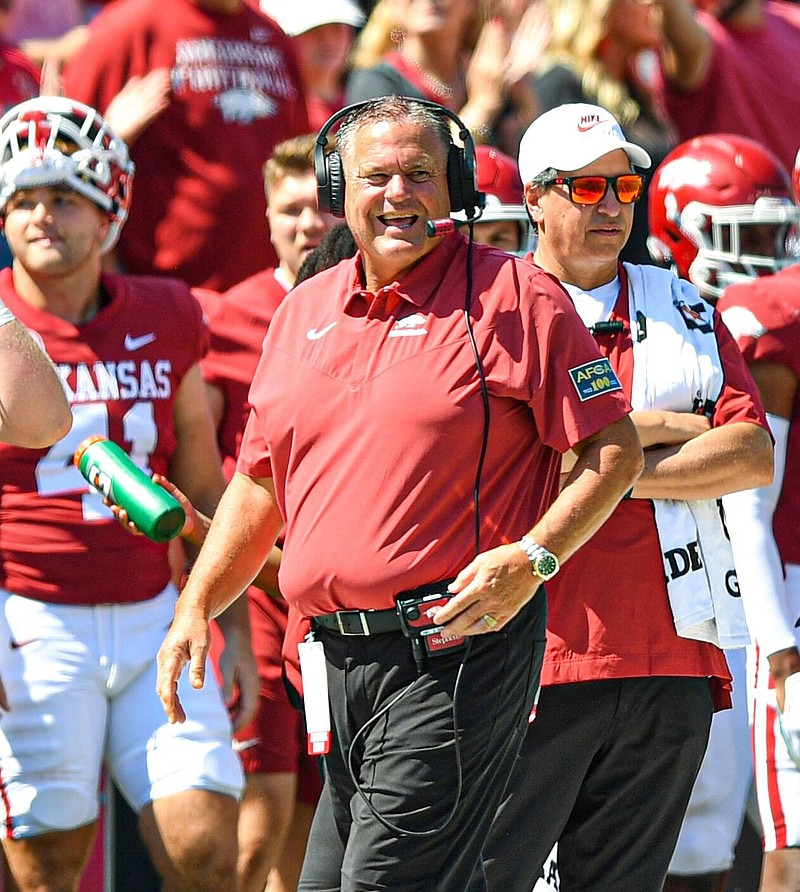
[(721, 211), (498, 177), (50, 141)]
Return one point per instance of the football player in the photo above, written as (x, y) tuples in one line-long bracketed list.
[(85, 604), (723, 216)]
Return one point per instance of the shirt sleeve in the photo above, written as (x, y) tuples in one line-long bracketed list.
[(254, 459), (739, 400), (552, 362)]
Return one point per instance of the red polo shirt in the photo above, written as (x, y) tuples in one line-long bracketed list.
[(367, 414)]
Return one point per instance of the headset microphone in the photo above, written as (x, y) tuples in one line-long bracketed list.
[(446, 225)]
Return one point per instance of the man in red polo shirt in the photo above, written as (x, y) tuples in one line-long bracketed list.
[(634, 665), (411, 449)]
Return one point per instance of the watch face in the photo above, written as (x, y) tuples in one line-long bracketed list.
[(546, 566)]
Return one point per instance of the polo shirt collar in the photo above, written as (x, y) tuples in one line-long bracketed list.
[(420, 282)]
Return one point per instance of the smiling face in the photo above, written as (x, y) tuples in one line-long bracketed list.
[(580, 244), (54, 231), (323, 49), (396, 180)]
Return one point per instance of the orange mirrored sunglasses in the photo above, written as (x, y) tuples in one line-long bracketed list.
[(628, 187)]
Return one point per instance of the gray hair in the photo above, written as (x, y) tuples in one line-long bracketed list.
[(393, 109)]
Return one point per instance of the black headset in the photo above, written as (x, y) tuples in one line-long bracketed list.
[(462, 174)]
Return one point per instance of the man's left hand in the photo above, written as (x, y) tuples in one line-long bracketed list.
[(489, 592)]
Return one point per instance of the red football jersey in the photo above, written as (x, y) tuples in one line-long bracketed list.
[(238, 321), (764, 317), (121, 371)]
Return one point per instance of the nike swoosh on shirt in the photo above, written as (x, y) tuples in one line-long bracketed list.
[(314, 334), (132, 343)]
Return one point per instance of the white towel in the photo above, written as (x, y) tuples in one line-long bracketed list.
[(673, 335)]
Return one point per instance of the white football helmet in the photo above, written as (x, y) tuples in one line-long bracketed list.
[(52, 140)]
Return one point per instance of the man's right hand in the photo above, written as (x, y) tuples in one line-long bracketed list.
[(187, 641)]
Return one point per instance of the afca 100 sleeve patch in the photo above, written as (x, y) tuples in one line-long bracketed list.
[(593, 378)]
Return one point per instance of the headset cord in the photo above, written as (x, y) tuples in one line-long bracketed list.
[(484, 393), (394, 828)]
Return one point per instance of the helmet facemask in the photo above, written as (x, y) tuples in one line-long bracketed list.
[(52, 141), (740, 242)]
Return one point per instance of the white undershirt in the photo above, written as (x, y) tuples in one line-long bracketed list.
[(595, 305)]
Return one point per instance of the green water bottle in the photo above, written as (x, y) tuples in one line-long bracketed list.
[(109, 469)]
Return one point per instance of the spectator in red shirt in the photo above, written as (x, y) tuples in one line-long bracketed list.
[(199, 213)]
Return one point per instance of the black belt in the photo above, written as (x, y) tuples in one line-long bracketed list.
[(360, 622)]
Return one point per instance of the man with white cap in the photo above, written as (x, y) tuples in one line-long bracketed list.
[(322, 32), (631, 674)]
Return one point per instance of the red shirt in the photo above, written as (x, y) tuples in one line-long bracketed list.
[(764, 315), (121, 371), (608, 609), (751, 88), (19, 77), (198, 200), (367, 414), (238, 321)]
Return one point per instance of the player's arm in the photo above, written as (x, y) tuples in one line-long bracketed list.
[(657, 427), (195, 467), (33, 408), (749, 520), (244, 529), (216, 403), (687, 46)]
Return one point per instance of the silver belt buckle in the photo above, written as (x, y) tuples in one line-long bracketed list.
[(362, 617)]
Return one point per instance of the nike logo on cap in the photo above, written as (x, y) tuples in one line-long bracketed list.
[(314, 334), (588, 122), (132, 343)]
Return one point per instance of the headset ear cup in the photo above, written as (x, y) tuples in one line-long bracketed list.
[(455, 178), (335, 184)]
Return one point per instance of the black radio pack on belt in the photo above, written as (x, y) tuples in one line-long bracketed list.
[(416, 609)]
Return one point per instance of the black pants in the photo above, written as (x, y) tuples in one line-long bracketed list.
[(606, 770), (410, 767)]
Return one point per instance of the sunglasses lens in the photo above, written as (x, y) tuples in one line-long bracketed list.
[(588, 190), (629, 188)]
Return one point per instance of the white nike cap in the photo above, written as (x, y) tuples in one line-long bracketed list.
[(571, 136), (298, 16)]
